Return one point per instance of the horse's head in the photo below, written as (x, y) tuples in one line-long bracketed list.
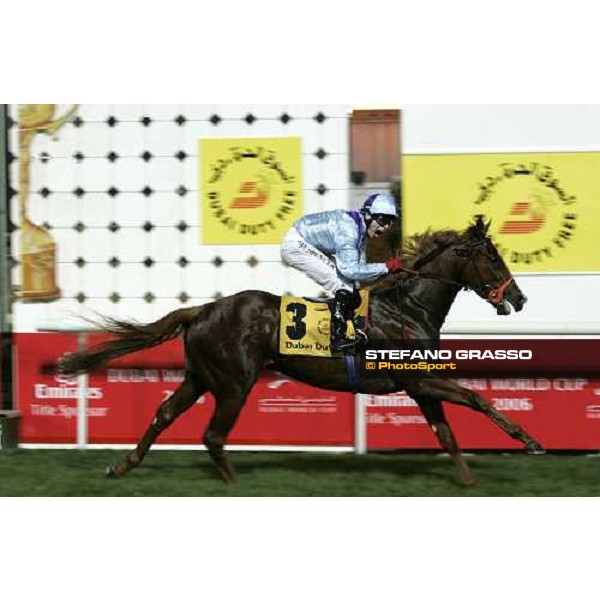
[(484, 271)]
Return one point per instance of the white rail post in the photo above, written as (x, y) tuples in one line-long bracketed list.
[(360, 424), (82, 398)]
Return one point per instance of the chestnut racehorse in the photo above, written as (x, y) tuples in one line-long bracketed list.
[(230, 341)]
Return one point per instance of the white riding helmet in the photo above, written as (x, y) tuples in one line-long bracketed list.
[(381, 204)]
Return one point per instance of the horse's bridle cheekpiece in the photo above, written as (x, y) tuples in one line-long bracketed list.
[(495, 295)]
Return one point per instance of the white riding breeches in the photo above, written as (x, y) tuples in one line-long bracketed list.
[(298, 253)]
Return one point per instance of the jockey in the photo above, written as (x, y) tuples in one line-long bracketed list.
[(330, 247)]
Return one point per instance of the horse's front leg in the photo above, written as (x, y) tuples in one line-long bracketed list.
[(447, 390)]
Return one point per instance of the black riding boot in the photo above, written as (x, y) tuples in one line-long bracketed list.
[(343, 309)]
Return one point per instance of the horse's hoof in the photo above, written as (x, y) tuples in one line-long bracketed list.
[(469, 480), (535, 449), (228, 475), (228, 479), (111, 472)]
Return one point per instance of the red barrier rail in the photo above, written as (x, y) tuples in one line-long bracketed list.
[(562, 413)]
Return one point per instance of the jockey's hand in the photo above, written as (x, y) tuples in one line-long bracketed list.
[(393, 264)]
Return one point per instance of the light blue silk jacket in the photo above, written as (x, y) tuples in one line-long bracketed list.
[(341, 235)]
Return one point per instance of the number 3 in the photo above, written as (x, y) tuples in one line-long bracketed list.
[(298, 330)]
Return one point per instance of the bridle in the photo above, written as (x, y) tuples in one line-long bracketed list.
[(494, 295)]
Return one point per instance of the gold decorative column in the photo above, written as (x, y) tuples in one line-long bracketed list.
[(38, 249)]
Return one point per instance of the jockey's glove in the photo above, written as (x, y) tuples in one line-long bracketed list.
[(393, 264)]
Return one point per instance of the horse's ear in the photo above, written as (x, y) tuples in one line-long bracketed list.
[(479, 227)]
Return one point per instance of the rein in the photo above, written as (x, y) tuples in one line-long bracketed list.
[(428, 258), (431, 255), (430, 276)]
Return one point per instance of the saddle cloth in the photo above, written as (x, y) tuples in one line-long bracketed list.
[(305, 325)]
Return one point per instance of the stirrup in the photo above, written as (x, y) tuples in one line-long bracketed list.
[(361, 336), (344, 344), (349, 343)]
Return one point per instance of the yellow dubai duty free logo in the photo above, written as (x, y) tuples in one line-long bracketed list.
[(250, 189), (534, 217)]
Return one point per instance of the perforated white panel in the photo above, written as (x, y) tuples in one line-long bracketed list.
[(117, 188)]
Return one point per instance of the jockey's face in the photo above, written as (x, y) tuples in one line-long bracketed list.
[(377, 225)]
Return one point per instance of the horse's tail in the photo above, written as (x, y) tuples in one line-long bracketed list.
[(131, 337)]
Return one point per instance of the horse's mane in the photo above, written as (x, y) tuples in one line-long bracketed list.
[(413, 248)]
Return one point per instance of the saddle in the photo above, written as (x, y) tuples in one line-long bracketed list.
[(305, 324)]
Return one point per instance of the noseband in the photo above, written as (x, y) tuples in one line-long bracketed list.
[(496, 295)]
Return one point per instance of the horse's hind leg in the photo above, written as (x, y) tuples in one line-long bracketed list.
[(228, 405), (183, 398), (434, 413), (230, 376)]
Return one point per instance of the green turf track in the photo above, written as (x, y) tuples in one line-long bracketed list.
[(186, 473)]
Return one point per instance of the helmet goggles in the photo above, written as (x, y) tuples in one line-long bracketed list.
[(384, 220)]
